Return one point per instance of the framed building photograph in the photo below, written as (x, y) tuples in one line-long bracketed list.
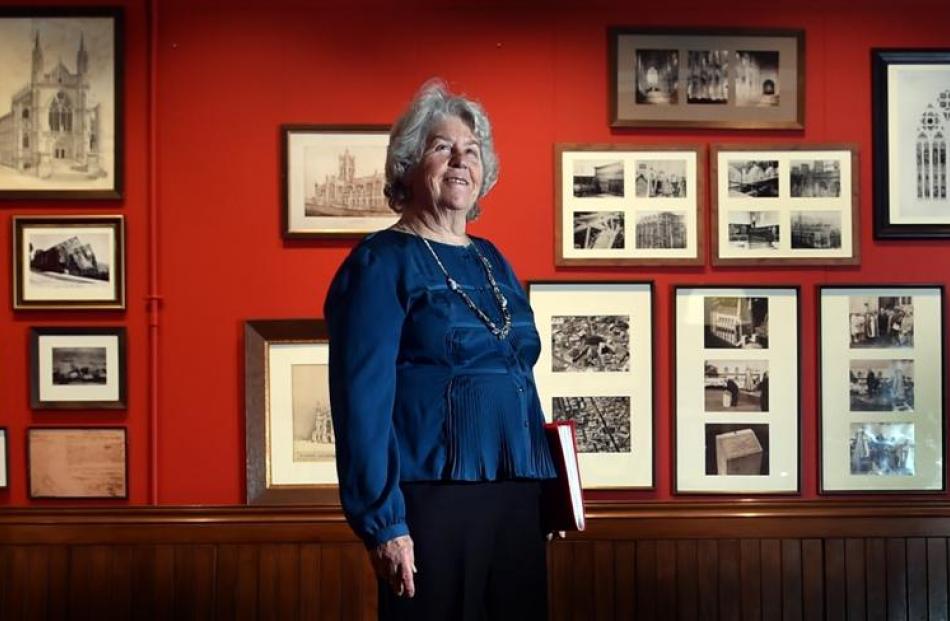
[(333, 178), (4, 459), (787, 205), (77, 462), (291, 455), (620, 205), (596, 369), (911, 133), (61, 103), (882, 386), (78, 368), (66, 262), (729, 78), (736, 388)]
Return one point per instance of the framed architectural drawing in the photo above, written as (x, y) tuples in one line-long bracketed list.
[(882, 388), (736, 390), (787, 205), (291, 457), (77, 462), (911, 126), (65, 262), (629, 204), (705, 77), (4, 460), (78, 368), (596, 368), (61, 103), (333, 178)]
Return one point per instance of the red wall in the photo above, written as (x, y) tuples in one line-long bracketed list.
[(229, 73)]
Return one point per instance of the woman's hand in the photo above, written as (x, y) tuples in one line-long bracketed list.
[(394, 563), (559, 534)]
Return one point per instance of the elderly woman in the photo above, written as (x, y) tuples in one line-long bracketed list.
[(439, 431)]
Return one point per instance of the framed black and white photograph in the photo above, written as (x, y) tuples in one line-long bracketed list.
[(596, 369), (4, 460), (66, 262), (728, 78), (291, 454), (77, 462), (736, 386), (790, 205), (78, 368), (622, 205), (332, 180), (911, 137), (61, 103), (882, 385)]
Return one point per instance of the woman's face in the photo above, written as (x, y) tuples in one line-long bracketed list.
[(450, 173)]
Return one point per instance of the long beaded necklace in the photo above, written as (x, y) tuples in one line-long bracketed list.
[(500, 333)]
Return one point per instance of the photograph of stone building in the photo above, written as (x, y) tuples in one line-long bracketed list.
[(707, 76), (757, 81), (819, 230), (594, 178), (816, 178), (661, 229), (931, 149), (346, 190), (69, 261), (657, 77)]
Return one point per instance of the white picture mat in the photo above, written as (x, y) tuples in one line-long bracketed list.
[(603, 470), (4, 482), (77, 392), (283, 470), (836, 417), (88, 290), (910, 88), (297, 181), (630, 205), (784, 204), (783, 415)]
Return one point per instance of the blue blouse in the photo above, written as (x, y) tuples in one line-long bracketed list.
[(420, 389)]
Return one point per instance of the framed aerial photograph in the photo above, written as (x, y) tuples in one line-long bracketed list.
[(291, 454), (788, 205), (736, 388), (66, 262), (333, 178), (622, 205), (77, 462), (4, 460), (882, 388), (78, 368), (596, 368), (707, 77), (911, 132), (61, 103)]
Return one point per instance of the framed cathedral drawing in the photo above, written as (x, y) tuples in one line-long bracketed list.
[(911, 124), (332, 180), (290, 451), (61, 103)]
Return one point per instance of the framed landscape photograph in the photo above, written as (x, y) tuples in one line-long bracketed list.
[(707, 77), (911, 132), (333, 178), (78, 368), (77, 462), (61, 103), (882, 388), (291, 454), (736, 389), (629, 204), (787, 205), (596, 368), (4, 460), (66, 262)]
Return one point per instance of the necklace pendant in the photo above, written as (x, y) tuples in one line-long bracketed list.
[(454, 286)]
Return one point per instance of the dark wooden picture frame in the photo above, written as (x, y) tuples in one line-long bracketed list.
[(67, 259), (82, 376), (31, 463), (259, 335), (661, 57), (846, 203), (922, 133), (59, 152), (691, 205)]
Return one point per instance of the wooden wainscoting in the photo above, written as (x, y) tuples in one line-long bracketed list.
[(741, 560)]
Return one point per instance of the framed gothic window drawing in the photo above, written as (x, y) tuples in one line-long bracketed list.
[(61, 103), (911, 126), (620, 205), (333, 177)]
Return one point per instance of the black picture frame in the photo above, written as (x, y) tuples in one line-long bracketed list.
[(42, 389)]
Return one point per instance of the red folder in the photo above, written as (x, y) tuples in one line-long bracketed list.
[(562, 497)]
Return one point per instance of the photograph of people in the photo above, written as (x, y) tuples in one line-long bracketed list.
[(439, 429)]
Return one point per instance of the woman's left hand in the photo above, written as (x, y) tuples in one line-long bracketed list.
[(394, 562)]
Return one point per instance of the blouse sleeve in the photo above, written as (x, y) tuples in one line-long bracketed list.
[(364, 320)]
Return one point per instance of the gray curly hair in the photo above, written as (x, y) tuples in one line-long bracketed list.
[(407, 140)]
